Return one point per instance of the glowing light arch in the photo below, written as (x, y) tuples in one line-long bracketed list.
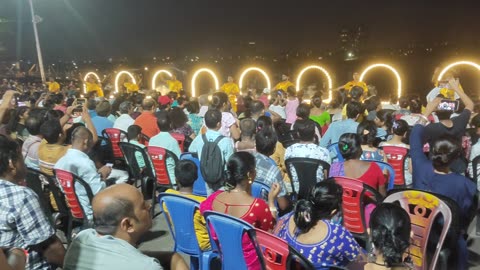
[(209, 71), (324, 71), (157, 73), (246, 71), (447, 68), (393, 70), (117, 78), (86, 77)]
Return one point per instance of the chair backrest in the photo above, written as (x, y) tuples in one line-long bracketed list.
[(115, 135), (335, 152), (306, 170), (34, 182), (180, 139), (229, 232), (475, 162), (386, 167), (159, 157), (260, 190), (144, 139), (180, 221), (396, 156), (423, 208), (278, 255), (353, 206), (199, 186), (129, 151), (67, 181)]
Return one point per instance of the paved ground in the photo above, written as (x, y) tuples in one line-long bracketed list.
[(159, 239)]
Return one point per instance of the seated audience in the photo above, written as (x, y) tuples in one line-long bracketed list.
[(194, 120), (101, 121), (51, 149), (23, 222), (165, 140), (317, 113), (312, 230), (13, 259), (367, 130), (367, 172), (390, 232), (120, 218), (186, 172), (247, 136), (147, 119), (336, 129), (124, 120), (237, 201), (229, 127), (179, 122), (32, 143), (307, 148)]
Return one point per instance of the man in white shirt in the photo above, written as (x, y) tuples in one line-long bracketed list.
[(124, 120)]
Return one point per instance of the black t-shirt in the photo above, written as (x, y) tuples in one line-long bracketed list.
[(437, 130)]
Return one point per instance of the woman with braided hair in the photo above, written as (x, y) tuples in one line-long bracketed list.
[(313, 230)]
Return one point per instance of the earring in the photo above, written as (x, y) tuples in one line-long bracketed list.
[(250, 180), (372, 257)]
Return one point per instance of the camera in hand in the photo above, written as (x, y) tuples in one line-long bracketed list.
[(448, 105)]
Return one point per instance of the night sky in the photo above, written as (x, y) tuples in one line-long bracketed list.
[(138, 28)]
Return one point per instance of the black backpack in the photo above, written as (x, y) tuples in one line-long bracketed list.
[(212, 165)]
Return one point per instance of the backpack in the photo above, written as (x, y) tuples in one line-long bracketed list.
[(212, 165)]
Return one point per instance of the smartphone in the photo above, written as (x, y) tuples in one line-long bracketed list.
[(80, 101), (448, 105)]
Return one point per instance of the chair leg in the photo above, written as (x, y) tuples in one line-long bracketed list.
[(194, 263), (69, 230)]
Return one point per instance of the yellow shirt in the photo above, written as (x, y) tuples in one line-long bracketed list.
[(352, 84), (53, 87), (232, 90), (174, 86), (283, 85), (131, 87), (91, 87), (199, 223)]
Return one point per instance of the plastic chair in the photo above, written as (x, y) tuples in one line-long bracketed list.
[(144, 139), (475, 162), (159, 157), (335, 153), (396, 156), (180, 220), (33, 180), (229, 231), (199, 186), (306, 170), (278, 254), (115, 135), (423, 208), (260, 190), (68, 181), (353, 206), (180, 139), (391, 172)]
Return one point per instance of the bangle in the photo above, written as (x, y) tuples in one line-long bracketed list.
[(273, 210)]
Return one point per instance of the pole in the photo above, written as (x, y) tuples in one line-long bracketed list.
[(37, 43)]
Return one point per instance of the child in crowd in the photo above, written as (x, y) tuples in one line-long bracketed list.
[(291, 106)]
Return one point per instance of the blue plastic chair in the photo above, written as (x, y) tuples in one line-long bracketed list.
[(335, 153), (180, 220), (199, 186), (260, 190), (391, 172), (229, 231)]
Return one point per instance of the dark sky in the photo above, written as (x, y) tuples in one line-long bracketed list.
[(137, 28)]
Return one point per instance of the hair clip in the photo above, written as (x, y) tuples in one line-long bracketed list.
[(345, 147), (395, 125)]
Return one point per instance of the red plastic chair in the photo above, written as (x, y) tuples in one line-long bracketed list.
[(278, 255), (180, 139), (67, 181), (423, 208), (396, 156), (144, 139), (159, 157), (115, 135), (354, 197)]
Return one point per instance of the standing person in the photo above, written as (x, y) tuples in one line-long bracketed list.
[(53, 86), (355, 83), (229, 126), (130, 86), (284, 84), (93, 86), (174, 85), (232, 90), (291, 106)]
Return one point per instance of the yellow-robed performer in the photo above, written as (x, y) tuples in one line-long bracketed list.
[(53, 86), (130, 86), (232, 90), (355, 82), (93, 86), (284, 84), (174, 85)]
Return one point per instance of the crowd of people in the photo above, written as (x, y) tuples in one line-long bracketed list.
[(239, 138)]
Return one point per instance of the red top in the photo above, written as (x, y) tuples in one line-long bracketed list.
[(373, 176), (148, 122)]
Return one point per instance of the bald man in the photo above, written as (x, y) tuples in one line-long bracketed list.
[(120, 217), (147, 120)]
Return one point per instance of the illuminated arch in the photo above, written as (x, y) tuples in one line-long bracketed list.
[(209, 71), (447, 68), (324, 71), (86, 77), (157, 73), (117, 78), (393, 70), (244, 73)]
